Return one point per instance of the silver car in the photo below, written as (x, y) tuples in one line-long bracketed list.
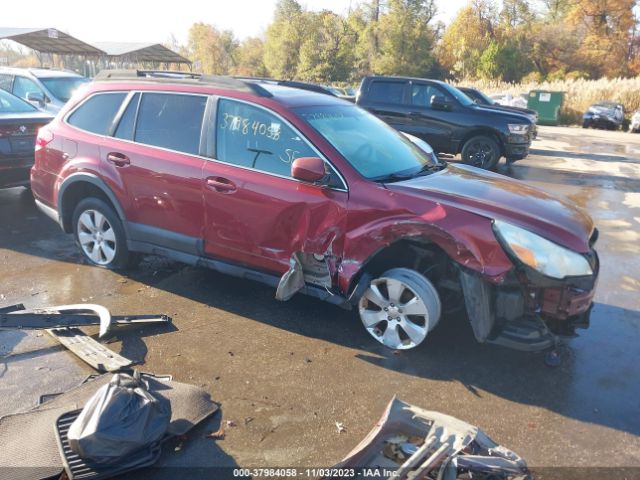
[(47, 89)]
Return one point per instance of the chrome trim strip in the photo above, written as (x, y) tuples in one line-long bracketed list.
[(52, 213)]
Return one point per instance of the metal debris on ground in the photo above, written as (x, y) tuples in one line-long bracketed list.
[(12, 308), (340, 426), (89, 350), (411, 443), (62, 322), (78, 315)]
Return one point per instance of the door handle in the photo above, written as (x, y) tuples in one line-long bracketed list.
[(221, 184), (118, 159)]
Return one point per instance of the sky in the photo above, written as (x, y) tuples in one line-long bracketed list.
[(155, 21)]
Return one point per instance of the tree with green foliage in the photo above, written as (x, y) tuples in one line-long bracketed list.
[(326, 54), (363, 23), (467, 37), (406, 39), (213, 49), (284, 39), (516, 13), (250, 58)]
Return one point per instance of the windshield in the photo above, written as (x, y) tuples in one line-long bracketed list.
[(483, 98), (63, 87), (372, 147), (461, 97), (12, 104)]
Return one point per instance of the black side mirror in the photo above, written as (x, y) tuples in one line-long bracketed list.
[(438, 102), (36, 97)]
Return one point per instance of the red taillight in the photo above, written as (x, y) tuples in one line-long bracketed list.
[(44, 138)]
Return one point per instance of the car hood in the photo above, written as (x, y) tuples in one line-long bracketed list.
[(520, 111), (507, 114), (496, 196)]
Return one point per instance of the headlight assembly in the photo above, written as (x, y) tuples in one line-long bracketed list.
[(539, 253), (520, 128)]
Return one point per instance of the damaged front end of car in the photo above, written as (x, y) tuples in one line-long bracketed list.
[(539, 299)]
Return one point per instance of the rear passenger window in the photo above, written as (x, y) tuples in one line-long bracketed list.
[(97, 113), (387, 92), (172, 121), (128, 120), (253, 137)]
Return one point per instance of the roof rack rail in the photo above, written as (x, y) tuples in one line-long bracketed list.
[(170, 76), (312, 87)]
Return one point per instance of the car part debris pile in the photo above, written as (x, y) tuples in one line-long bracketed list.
[(411, 443)]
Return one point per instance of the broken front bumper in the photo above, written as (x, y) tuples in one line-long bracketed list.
[(527, 310)]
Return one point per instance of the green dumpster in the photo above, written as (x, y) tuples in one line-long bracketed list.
[(547, 104)]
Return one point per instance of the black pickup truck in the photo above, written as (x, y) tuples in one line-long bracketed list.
[(447, 119)]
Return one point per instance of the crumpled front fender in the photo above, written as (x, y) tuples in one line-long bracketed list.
[(466, 238)]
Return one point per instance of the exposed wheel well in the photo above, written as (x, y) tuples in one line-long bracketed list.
[(489, 133), (420, 255), (73, 194)]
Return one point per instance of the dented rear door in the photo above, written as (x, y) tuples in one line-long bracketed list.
[(256, 213)]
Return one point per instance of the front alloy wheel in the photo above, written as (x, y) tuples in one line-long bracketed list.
[(400, 308)]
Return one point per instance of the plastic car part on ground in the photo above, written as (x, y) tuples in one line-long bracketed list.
[(410, 443)]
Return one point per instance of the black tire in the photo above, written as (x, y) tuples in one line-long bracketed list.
[(585, 124), (481, 151), (116, 240)]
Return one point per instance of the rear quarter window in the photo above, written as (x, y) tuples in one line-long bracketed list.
[(172, 121), (96, 114), (386, 92), (6, 81)]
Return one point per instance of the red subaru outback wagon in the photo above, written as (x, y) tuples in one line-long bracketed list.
[(310, 193)]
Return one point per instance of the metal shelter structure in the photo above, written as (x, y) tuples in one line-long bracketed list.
[(52, 41), (127, 52), (49, 40)]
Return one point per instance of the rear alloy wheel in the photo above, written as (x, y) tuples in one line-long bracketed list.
[(400, 308), (481, 151), (99, 234)]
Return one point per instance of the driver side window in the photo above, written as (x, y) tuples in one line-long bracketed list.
[(252, 137), (23, 86), (421, 94)]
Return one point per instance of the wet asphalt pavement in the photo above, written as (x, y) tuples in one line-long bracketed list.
[(285, 373)]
